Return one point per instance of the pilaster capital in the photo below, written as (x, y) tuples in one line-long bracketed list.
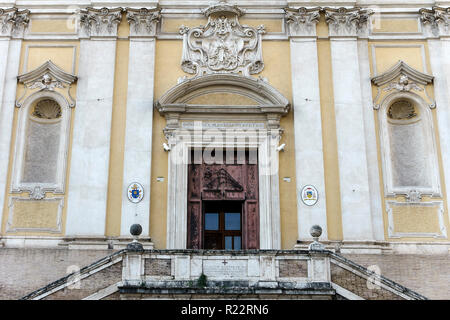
[(302, 21), (143, 21), (99, 22), (436, 21), (13, 22), (350, 22)]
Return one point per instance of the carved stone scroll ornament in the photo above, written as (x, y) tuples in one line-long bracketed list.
[(302, 21), (47, 77), (223, 45), (143, 21), (13, 21), (100, 22), (438, 19), (344, 21)]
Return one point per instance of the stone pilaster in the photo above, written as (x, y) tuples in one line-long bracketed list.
[(307, 116), (89, 172), (436, 25), (344, 27), (13, 23), (139, 119)]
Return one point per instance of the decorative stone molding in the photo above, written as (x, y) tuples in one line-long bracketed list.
[(47, 77), (437, 19), (50, 222), (13, 22), (143, 21), (347, 22), (99, 22), (393, 232), (269, 102), (402, 78), (413, 196), (37, 193), (225, 125), (408, 130), (302, 21), (223, 45)]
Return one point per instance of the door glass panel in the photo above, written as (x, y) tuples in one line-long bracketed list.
[(228, 243), (232, 221), (237, 243), (211, 221)]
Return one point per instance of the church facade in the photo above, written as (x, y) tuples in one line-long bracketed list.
[(227, 126)]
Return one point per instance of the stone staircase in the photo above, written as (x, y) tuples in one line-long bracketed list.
[(135, 273)]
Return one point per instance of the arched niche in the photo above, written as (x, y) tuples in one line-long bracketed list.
[(408, 146), (41, 147)]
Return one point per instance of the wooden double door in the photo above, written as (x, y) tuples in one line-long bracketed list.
[(223, 204)]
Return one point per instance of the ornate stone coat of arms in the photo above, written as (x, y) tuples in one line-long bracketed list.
[(223, 45)]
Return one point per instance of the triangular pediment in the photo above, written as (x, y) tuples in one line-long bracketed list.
[(401, 68), (50, 69)]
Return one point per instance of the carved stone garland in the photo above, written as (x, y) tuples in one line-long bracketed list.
[(223, 45)]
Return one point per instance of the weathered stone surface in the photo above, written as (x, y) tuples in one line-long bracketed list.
[(293, 268), (157, 267), (358, 285), (90, 285), (25, 270), (428, 275)]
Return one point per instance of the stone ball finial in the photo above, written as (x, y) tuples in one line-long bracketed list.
[(136, 229), (315, 231)]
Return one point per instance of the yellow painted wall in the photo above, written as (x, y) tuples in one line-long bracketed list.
[(52, 26), (277, 70), (34, 54), (167, 71), (394, 25), (118, 124), (382, 54)]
